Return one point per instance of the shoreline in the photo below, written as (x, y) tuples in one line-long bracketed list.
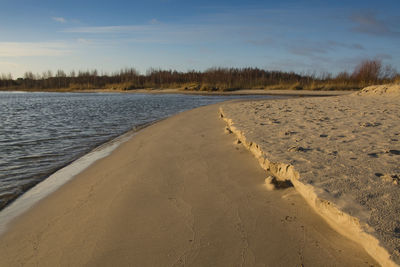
[(63, 175), (87, 209), (188, 92), (111, 133), (60, 177)]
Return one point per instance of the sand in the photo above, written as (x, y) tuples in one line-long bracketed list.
[(341, 153), (179, 193)]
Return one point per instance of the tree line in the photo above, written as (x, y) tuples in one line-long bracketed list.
[(214, 79)]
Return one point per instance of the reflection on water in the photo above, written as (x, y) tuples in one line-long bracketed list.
[(41, 132)]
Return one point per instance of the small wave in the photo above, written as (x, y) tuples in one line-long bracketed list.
[(38, 157)]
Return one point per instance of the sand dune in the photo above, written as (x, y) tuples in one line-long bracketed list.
[(383, 90)]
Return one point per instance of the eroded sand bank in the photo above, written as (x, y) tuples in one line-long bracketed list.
[(341, 153), (179, 193)]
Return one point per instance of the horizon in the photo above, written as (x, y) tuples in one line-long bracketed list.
[(299, 36)]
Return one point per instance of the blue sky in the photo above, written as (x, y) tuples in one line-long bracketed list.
[(302, 36)]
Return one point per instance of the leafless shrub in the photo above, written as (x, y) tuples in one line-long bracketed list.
[(368, 71), (214, 79)]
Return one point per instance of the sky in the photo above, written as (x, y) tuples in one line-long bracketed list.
[(313, 36)]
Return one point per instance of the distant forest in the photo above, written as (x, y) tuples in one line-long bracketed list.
[(366, 73)]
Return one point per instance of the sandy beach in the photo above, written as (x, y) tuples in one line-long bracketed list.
[(179, 193), (200, 133), (342, 155)]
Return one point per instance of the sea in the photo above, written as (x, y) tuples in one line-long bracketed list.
[(41, 132)]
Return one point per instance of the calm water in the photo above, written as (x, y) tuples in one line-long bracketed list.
[(42, 132)]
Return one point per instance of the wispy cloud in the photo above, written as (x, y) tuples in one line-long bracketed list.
[(307, 50), (110, 29), (312, 49), (59, 19), (160, 33), (369, 23), (30, 49), (334, 44)]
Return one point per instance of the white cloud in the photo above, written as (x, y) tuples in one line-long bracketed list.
[(109, 29), (160, 33), (59, 19), (30, 49)]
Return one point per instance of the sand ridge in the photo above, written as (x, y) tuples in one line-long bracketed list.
[(342, 153), (179, 193), (382, 90)]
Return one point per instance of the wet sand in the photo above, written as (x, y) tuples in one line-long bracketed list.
[(179, 193)]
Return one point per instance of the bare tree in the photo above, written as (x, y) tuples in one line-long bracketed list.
[(366, 73)]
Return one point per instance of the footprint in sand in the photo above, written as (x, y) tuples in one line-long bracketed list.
[(286, 133), (368, 124), (373, 155), (298, 149), (289, 219)]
